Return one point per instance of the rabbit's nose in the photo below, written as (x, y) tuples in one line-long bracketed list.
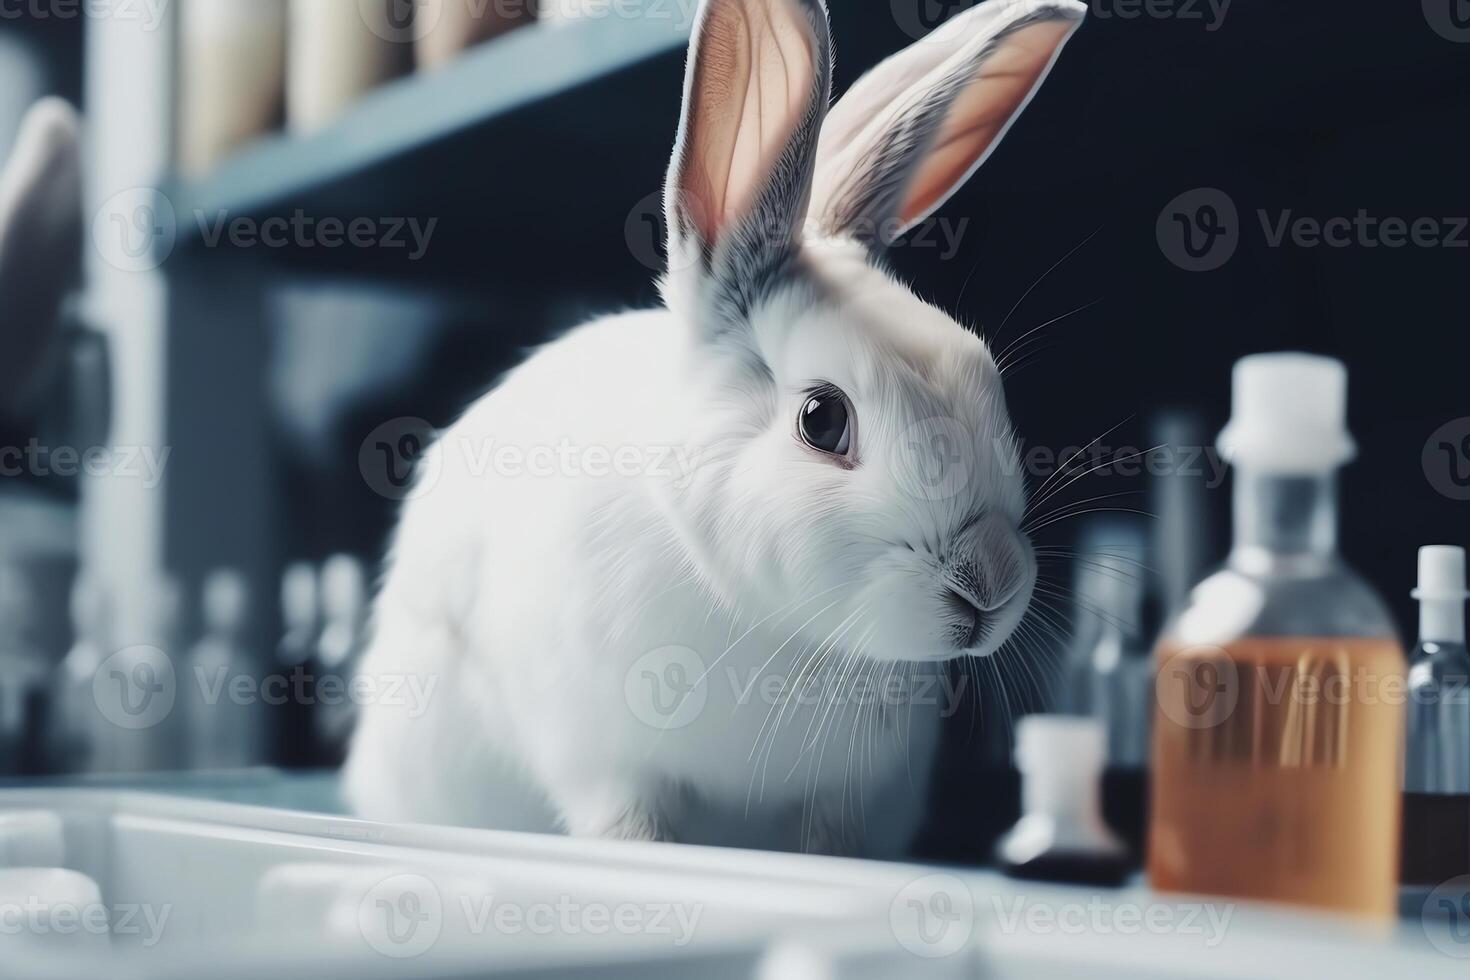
[(988, 566)]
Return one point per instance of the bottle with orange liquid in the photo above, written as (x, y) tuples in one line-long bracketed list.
[(1280, 687)]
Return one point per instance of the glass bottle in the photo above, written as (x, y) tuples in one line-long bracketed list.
[(343, 636), (1278, 735), (1122, 681), (1437, 763), (301, 615), (224, 717)]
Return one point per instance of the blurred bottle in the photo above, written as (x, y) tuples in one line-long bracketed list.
[(1061, 835), (338, 51), (1122, 678), (343, 636), (78, 727), (224, 711), (232, 66), (1108, 547), (1436, 837), (25, 676), (136, 687), (1181, 532), (301, 613), (1276, 751), (444, 28)]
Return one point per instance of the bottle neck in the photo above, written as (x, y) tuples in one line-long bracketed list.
[(1442, 621), (1281, 517)]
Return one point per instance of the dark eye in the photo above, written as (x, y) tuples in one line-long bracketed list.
[(825, 423)]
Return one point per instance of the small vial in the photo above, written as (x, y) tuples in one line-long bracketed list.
[(344, 631), (301, 615), (225, 729), (1061, 835), (1436, 835)]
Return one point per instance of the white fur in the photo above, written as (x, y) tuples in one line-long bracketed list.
[(538, 603)]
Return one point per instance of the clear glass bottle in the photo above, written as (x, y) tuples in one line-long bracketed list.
[(1437, 763), (1279, 730), (1122, 681)]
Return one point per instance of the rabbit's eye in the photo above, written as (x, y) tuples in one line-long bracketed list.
[(825, 422)]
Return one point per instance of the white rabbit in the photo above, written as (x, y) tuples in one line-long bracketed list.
[(690, 574)]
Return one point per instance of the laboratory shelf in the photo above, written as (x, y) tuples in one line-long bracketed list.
[(536, 136)]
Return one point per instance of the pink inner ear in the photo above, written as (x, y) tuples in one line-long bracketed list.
[(754, 78), (981, 113)]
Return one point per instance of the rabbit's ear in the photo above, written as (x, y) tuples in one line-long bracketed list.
[(755, 94), (913, 129)]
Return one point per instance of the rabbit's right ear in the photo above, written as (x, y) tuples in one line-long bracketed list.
[(913, 129), (755, 94)]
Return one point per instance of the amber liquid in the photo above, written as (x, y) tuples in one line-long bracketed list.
[(1276, 771)]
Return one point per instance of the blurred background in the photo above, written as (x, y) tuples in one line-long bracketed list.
[(286, 240)]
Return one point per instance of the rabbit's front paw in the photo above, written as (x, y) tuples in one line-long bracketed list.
[(615, 815)]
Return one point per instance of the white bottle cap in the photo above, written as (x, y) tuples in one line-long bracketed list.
[(299, 595), (226, 601), (1441, 573), (1289, 414), (1060, 749), (343, 588)]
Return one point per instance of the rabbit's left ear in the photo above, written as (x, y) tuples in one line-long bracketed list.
[(912, 130), (755, 93)]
